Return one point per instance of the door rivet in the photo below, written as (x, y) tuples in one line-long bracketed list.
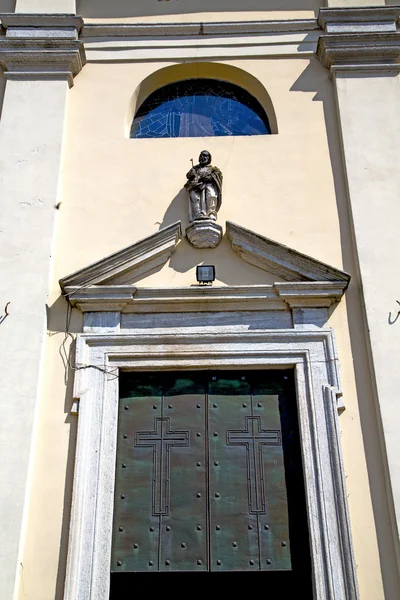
[(126, 407), (216, 463), (183, 545), (249, 527), (215, 434), (119, 563), (136, 545), (167, 562), (151, 528), (198, 434), (216, 495), (199, 464), (251, 562), (154, 406), (214, 406), (268, 561), (266, 526), (198, 528), (218, 562), (259, 405), (198, 405), (217, 527), (125, 436), (283, 544), (120, 528), (123, 465), (198, 495), (168, 528), (122, 496), (244, 404), (234, 544), (199, 562), (169, 405), (150, 563)]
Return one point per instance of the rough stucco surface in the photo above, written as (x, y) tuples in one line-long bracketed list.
[(30, 149)]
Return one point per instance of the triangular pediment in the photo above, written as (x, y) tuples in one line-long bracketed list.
[(129, 264), (276, 258), (110, 283)]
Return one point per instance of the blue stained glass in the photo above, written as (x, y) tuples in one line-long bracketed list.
[(199, 108)]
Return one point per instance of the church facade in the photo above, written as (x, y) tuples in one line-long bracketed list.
[(201, 320)]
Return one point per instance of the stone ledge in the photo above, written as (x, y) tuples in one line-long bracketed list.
[(57, 21), (130, 263), (102, 30), (131, 299), (41, 58), (286, 263), (360, 51), (357, 20)]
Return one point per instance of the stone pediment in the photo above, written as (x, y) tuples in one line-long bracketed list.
[(109, 284), (128, 264), (286, 263)]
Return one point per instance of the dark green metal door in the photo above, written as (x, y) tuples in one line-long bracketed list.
[(200, 473)]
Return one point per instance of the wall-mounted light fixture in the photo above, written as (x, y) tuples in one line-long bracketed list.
[(205, 274)]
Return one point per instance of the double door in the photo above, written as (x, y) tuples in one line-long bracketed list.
[(204, 460)]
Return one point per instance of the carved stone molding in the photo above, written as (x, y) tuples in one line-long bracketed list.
[(204, 234), (99, 358), (101, 30), (56, 20), (286, 263), (128, 264), (130, 299), (360, 39), (41, 47), (357, 20), (360, 51)]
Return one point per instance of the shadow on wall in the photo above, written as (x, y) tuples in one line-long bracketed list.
[(7, 6), (230, 268), (72, 422), (150, 8), (315, 78)]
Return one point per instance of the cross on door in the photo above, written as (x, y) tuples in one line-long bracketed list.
[(161, 439), (253, 438)]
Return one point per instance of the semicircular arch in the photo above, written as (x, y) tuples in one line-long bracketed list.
[(201, 70)]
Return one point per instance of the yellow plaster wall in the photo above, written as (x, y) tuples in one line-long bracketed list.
[(116, 190)]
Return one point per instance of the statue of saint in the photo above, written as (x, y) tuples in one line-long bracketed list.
[(205, 189)]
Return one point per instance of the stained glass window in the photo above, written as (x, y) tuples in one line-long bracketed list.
[(199, 108)]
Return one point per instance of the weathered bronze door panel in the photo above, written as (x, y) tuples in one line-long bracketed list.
[(248, 504), (200, 475), (160, 519)]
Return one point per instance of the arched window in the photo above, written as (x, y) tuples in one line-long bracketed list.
[(199, 108)]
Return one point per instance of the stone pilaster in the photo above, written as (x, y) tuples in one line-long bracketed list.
[(40, 55), (361, 47)]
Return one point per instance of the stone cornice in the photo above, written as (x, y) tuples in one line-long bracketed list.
[(287, 263), (115, 30), (41, 20), (41, 47), (356, 20), (376, 51), (21, 58), (128, 264), (131, 299), (360, 38)]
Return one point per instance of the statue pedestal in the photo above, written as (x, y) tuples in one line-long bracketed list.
[(204, 233)]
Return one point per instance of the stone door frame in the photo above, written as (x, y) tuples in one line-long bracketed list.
[(101, 354)]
